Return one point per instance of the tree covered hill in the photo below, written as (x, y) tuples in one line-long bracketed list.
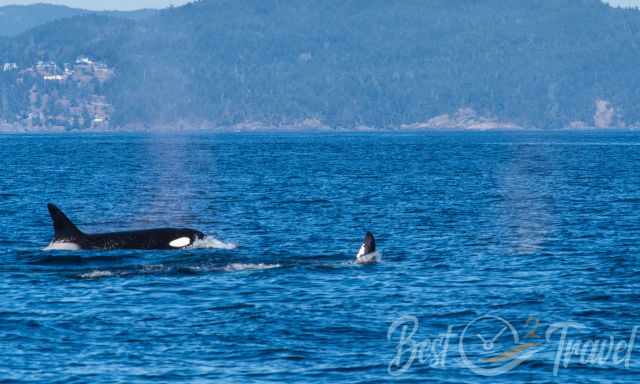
[(16, 19), (345, 63)]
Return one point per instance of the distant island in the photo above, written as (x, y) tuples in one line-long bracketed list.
[(17, 19), (248, 65)]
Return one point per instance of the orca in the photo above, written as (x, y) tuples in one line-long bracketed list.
[(68, 237), (367, 253)]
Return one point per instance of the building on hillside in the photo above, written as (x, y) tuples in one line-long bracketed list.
[(9, 67)]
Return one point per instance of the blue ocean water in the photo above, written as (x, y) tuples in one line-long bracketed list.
[(499, 239)]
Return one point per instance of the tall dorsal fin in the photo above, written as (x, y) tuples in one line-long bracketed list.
[(63, 228)]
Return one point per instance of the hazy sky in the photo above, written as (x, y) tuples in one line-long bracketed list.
[(137, 4)]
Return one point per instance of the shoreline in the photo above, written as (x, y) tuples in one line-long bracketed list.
[(281, 131)]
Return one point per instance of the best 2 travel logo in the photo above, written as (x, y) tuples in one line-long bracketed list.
[(491, 346)]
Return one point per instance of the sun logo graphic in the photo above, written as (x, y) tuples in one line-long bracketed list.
[(492, 346)]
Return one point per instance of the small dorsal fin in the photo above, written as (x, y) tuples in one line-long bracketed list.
[(63, 228), (369, 243)]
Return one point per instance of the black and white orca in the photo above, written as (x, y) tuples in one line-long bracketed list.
[(68, 237), (367, 253)]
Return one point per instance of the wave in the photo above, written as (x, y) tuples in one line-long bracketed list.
[(96, 274), (177, 269), (212, 243), (237, 267)]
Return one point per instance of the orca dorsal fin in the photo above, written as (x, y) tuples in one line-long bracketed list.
[(63, 228), (368, 245)]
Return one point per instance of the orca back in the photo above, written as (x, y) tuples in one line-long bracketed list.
[(67, 236)]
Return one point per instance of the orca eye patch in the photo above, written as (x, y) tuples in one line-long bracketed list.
[(181, 242)]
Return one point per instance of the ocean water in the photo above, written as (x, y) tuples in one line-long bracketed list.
[(505, 258)]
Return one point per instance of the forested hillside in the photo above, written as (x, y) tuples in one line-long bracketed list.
[(15, 19), (347, 63)]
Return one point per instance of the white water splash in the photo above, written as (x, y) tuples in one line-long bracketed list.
[(370, 258), (96, 274), (212, 243), (236, 267)]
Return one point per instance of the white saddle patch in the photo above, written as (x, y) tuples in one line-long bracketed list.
[(180, 243), (62, 246)]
